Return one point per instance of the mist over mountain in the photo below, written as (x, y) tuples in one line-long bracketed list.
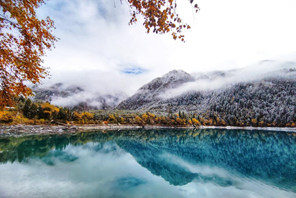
[(149, 93), (75, 97), (266, 92), (262, 94)]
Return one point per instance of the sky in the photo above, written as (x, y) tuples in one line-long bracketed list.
[(98, 50)]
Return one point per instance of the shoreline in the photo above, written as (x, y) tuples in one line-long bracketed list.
[(61, 129)]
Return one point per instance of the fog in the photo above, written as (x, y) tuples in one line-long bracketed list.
[(116, 86), (223, 79), (95, 84), (95, 80)]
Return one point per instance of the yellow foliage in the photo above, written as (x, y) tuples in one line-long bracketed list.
[(6, 116), (87, 115), (112, 117), (77, 116), (145, 117), (138, 120), (209, 122), (49, 108), (222, 122), (42, 121), (157, 119), (159, 16), (217, 119), (151, 115), (122, 121), (179, 120), (254, 121), (195, 121), (24, 39), (20, 119), (261, 123), (31, 122)]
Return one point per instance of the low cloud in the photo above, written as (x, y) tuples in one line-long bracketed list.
[(222, 79)]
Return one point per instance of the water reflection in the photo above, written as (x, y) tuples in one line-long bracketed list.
[(155, 163)]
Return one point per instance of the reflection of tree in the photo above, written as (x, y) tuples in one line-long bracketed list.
[(20, 148), (266, 156)]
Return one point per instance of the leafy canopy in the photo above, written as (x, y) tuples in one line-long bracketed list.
[(159, 16), (23, 41)]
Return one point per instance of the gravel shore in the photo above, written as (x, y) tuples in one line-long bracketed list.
[(58, 129)]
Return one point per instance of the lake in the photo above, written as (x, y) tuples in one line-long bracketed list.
[(207, 163)]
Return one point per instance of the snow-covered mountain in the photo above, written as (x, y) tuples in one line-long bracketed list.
[(149, 93), (235, 96)]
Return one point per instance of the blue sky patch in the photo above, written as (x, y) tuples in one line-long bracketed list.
[(133, 70)]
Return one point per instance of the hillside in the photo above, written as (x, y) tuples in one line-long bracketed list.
[(148, 94)]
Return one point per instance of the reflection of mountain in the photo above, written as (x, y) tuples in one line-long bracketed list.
[(148, 155), (265, 156)]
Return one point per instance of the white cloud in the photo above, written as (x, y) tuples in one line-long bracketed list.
[(96, 40), (214, 80)]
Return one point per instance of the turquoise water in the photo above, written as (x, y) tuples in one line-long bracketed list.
[(204, 163)]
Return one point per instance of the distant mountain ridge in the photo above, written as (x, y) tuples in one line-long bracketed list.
[(242, 97)]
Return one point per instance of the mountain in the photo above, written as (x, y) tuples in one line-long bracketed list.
[(76, 97), (148, 94), (56, 90), (236, 96)]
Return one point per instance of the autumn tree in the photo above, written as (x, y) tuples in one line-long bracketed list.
[(195, 122), (160, 16), (23, 41), (87, 116), (6, 117), (77, 116), (48, 111)]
